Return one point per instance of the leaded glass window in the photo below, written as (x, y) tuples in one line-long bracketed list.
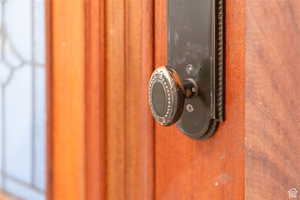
[(22, 98)]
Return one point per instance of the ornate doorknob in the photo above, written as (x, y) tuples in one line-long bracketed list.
[(167, 93), (165, 96), (189, 91)]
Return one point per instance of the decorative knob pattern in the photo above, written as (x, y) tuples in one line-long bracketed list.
[(166, 96)]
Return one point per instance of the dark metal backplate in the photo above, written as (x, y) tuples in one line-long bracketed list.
[(195, 51)]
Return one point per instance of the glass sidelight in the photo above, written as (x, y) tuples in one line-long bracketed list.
[(22, 98)]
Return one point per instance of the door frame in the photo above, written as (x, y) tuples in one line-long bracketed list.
[(75, 87)]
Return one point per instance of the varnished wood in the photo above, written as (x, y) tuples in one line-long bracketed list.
[(82, 82), (95, 100), (102, 142), (100, 130), (139, 124), (272, 99), (49, 128), (129, 125), (116, 125), (211, 169), (66, 102)]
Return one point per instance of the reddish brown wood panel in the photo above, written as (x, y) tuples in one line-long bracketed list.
[(49, 140), (100, 57), (95, 99), (65, 68), (129, 56), (211, 169), (76, 91), (116, 124), (272, 93)]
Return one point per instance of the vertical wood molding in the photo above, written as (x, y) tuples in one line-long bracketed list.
[(100, 137), (76, 99), (129, 58), (95, 100), (65, 68), (76, 114), (116, 121), (272, 93), (211, 169), (49, 140), (161, 39), (139, 125)]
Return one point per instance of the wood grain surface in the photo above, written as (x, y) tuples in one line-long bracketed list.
[(95, 100), (272, 99), (100, 141), (129, 124), (76, 87), (66, 102), (211, 169)]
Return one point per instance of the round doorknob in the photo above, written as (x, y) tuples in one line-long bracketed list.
[(166, 96)]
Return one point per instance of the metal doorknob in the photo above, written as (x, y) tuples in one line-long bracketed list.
[(189, 91), (167, 93), (166, 96)]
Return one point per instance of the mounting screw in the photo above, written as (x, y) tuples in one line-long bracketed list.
[(189, 108), (189, 68)]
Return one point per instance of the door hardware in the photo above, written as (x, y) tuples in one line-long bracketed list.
[(189, 90)]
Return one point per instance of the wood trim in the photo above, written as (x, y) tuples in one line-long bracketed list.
[(211, 169), (116, 118), (79, 45), (100, 135), (49, 141), (129, 42), (95, 100), (66, 102)]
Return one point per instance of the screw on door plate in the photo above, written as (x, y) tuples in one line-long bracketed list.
[(189, 68), (189, 108)]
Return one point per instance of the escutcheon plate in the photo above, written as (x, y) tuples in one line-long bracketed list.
[(195, 51)]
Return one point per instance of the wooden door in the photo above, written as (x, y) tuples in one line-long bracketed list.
[(103, 143)]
